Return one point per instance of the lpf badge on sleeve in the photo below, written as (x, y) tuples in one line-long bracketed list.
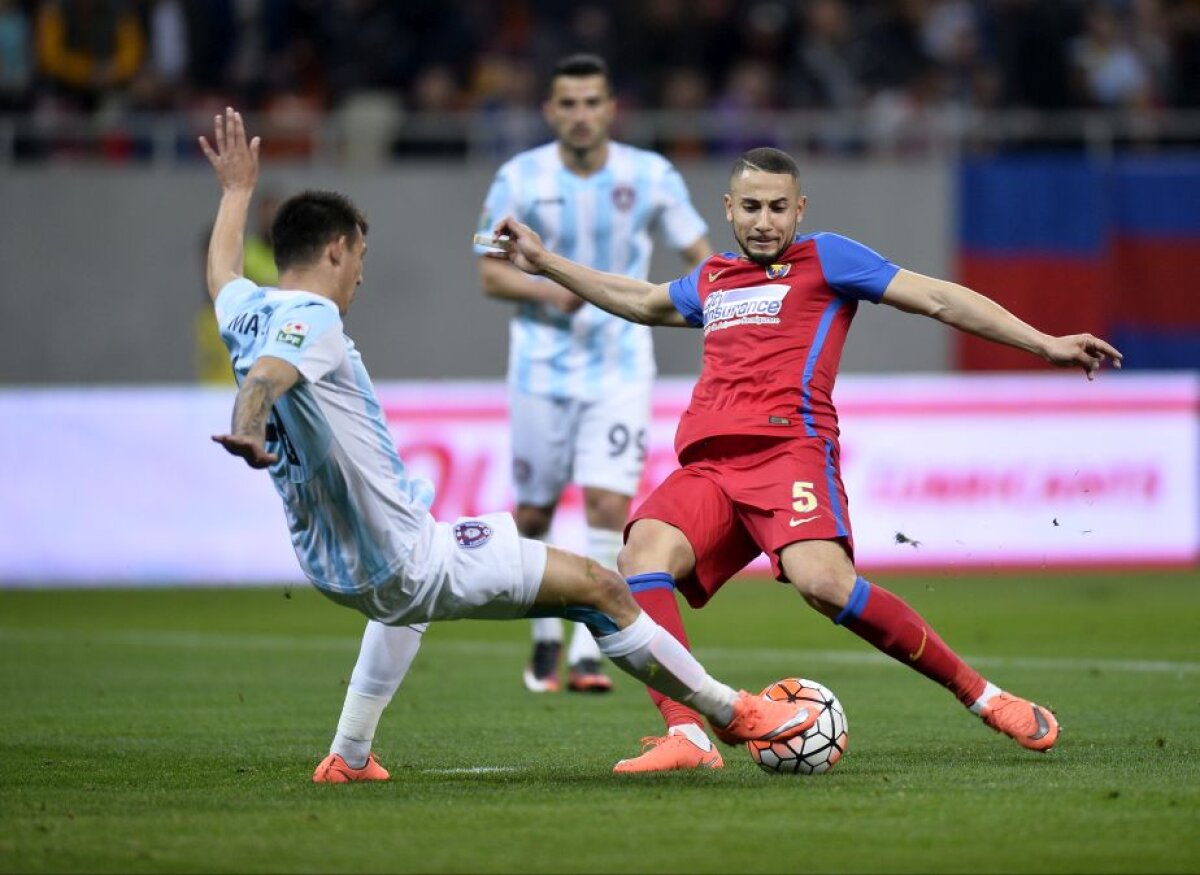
[(293, 333), (471, 534)]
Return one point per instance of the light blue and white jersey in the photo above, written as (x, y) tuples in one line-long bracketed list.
[(603, 221), (352, 511)]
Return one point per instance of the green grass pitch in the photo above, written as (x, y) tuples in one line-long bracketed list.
[(176, 731)]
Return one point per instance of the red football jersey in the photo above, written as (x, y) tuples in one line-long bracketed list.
[(773, 336)]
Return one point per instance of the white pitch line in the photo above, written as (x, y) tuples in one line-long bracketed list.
[(717, 655), (475, 770)]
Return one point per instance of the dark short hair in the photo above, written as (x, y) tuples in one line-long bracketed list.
[(306, 222), (766, 160), (581, 64)]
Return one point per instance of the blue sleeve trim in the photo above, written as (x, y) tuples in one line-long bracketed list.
[(685, 295), (852, 269), (598, 622), (651, 580), (858, 601)]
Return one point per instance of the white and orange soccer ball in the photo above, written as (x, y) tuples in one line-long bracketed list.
[(811, 752)]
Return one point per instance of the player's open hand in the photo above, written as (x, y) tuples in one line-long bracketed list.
[(520, 245), (233, 158), (1084, 351), (251, 450)]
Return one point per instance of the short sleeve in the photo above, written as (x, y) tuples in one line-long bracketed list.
[(852, 269), (308, 335), (685, 295), (680, 223), (232, 296), (500, 202)]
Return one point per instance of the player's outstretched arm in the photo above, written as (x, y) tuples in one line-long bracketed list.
[(506, 283), (632, 299), (236, 164), (268, 378), (976, 314)]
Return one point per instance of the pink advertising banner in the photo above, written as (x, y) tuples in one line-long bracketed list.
[(123, 486)]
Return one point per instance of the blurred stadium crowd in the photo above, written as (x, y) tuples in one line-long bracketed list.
[(890, 62)]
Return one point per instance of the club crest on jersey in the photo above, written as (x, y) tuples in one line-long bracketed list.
[(623, 197), (776, 271), (293, 333), (472, 534)]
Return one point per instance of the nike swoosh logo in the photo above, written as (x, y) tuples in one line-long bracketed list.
[(801, 717), (916, 654), (1043, 725), (793, 522), (713, 274)]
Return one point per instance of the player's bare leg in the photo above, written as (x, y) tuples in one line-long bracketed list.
[(822, 572), (580, 589), (540, 675), (605, 512), (656, 554)]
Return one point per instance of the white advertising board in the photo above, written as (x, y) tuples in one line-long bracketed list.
[(971, 472)]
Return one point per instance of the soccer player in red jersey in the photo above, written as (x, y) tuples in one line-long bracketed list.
[(758, 445)]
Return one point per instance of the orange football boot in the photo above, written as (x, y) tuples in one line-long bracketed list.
[(586, 677), (335, 770), (666, 753), (1030, 725), (759, 719)]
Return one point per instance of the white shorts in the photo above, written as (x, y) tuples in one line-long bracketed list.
[(474, 568), (556, 441)]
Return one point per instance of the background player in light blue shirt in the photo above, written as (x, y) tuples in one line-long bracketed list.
[(363, 535), (579, 378)]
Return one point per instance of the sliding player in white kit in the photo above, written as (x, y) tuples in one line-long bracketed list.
[(306, 410), (579, 379)]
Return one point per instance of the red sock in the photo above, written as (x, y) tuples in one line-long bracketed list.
[(886, 621), (655, 593)]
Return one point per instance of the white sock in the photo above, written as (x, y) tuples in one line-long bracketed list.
[(603, 545), (384, 658), (652, 655), (693, 733), (356, 727), (989, 690), (547, 629), (583, 645)]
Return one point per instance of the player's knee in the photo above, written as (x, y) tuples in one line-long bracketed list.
[(605, 509), (654, 546), (533, 522), (826, 590), (609, 593)]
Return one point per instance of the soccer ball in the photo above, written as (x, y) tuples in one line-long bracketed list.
[(811, 752)]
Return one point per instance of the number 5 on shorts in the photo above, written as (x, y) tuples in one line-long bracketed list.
[(803, 500)]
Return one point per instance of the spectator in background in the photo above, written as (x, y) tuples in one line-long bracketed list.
[(746, 106), (1185, 52), (1031, 40), (436, 99), (89, 48), (826, 72), (684, 91), (1107, 71), (16, 60)]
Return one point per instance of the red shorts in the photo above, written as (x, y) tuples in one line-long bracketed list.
[(738, 496)]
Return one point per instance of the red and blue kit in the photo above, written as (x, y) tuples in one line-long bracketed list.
[(758, 444)]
